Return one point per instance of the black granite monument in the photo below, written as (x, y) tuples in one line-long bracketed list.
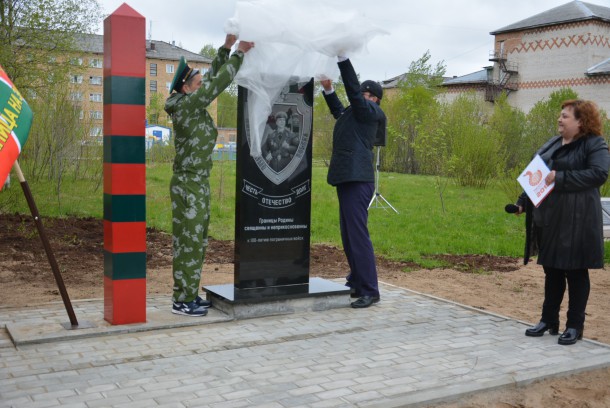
[(273, 205)]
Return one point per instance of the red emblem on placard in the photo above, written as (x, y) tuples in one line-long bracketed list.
[(534, 178)]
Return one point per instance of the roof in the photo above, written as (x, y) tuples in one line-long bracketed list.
[(568, 13), (393, 82), (94, 43), (603, 68), (473, 78)]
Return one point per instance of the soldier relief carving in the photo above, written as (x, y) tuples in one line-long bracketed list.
[(285, 137)]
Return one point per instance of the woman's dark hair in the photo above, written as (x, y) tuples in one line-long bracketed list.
[(588, 115)]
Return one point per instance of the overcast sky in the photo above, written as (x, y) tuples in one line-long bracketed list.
[(456, 32)]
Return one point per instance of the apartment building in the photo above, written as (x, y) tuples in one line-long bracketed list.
[(162, 60)]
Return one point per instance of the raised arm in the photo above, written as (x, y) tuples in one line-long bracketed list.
[(362, 109), (331, 98)]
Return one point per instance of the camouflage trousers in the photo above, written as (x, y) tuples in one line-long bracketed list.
[(190, 197)]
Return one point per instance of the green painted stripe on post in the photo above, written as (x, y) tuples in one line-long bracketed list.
[(130, 265), (124, 149), (124, 90), (124, 208)]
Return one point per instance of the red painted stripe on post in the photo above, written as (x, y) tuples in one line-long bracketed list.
[(125, 37), (123, 300), (119, 120), (124, 179), (124, 237)]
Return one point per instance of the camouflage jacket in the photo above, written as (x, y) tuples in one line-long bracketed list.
[(194, 130)]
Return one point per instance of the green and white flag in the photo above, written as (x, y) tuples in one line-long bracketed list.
[(15, 122)]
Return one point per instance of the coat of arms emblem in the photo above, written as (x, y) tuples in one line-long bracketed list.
[(285, 137)]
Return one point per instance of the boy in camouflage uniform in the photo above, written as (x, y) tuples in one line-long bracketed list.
[(194, 138)]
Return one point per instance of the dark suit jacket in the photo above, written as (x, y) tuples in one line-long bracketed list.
[(354, 133)]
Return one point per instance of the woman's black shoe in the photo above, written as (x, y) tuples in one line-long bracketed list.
[(570, 336), (539, 329)]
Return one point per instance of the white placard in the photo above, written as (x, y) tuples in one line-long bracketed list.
[(532, 180)]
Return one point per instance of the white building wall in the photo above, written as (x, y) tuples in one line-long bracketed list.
[(549, 59), (164, 131), (452, 94), (557, 57)]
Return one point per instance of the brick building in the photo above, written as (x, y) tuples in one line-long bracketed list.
[(567, 46), (161, 62)]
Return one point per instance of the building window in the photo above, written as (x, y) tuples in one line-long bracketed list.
[(95, 115), (76, 79), (81, 114), (169, 68), (95, 131), (153, 69), (76, 61), (76, 96), (95, 97), (167, 85), (95, 63), (95, 80), (153, 86)]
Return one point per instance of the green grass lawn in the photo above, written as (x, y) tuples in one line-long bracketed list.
[(474, 221)]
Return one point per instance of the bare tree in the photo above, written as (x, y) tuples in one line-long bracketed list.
[(37, 38), (39, 44)]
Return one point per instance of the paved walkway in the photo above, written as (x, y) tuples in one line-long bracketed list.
[(409, 350)]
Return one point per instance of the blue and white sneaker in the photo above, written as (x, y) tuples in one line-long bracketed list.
[(202, 302), (189, 309)]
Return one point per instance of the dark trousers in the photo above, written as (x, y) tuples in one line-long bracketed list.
[(354, 199), (578, 292)]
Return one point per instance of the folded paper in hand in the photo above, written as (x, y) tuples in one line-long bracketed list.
[(532, 180)]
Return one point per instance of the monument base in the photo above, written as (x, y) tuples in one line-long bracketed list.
[(318, 295)]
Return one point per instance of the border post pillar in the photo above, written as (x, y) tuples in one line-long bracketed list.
[(124, 167)]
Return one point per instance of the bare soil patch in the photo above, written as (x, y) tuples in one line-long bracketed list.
[(498, 284)]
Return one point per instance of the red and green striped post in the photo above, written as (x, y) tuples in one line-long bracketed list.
[(124, 167)]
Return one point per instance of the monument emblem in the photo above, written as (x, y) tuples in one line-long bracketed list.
[(285, 138)]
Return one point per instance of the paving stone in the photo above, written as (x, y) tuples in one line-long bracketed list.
[(410, 348)]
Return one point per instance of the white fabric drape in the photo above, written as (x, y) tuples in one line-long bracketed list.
[(294, 40)]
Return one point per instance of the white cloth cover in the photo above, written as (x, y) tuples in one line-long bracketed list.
[(294, 40)]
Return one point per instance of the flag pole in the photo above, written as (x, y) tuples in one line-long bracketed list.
[(47, 246)]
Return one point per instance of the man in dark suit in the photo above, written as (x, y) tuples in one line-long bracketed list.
[(351, 172)]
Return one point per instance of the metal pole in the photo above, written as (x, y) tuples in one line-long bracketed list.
[(377, 195), (47, 247)]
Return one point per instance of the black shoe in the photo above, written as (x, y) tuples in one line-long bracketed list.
[(539, 329), (570, 336), (364, 301), (202, 302)]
